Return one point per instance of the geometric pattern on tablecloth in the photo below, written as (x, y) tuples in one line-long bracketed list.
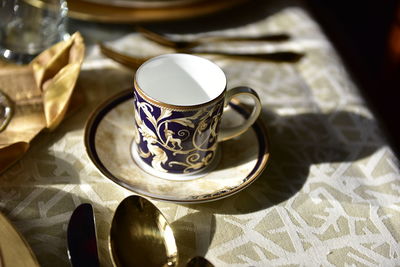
[(329, 197)]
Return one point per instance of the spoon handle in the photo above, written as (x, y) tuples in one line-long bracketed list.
[(199, 261)]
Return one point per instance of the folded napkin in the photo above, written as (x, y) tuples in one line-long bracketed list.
[(40, 94)]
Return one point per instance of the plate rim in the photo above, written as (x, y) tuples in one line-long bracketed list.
[(110, 103), (96, 12), (145, 4), (21, 245)]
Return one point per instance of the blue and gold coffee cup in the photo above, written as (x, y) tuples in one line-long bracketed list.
[(179, 101)]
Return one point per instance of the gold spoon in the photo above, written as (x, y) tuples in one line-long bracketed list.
[(179, 44), (134, 62), (141, 236)]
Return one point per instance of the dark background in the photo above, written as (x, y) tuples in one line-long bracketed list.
[(367, 35)]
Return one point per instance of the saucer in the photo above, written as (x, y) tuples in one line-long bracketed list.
[(109, 134)]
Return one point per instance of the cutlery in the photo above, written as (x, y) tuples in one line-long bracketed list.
[(134, 62), (279, 56), (141, 236), (127, 61), (199, 261), (82, 241), (180, 44)]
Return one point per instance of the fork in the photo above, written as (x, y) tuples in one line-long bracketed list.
[(180, 44), (134, 62)]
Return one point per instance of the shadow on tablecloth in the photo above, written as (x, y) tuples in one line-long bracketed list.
[(305, 148)]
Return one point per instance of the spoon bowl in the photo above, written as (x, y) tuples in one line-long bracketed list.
[(141, 236)]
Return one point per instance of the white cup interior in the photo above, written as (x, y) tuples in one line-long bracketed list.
[(181, 79)]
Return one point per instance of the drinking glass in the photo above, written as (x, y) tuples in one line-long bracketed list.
[(27, 27)]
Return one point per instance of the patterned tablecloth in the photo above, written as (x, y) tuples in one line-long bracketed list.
[(330, 195)]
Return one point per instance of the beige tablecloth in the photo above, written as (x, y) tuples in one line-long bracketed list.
[(329, 197)]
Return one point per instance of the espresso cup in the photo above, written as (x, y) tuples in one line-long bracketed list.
[(179, 100)]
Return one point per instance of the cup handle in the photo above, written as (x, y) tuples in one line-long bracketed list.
[(228, 133)]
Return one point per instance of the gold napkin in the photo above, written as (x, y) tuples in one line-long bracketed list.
[(41, 93)]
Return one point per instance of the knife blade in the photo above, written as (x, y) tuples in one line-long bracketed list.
[(82, 240)]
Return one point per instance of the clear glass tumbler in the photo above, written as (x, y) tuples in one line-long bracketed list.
[(27, 27)]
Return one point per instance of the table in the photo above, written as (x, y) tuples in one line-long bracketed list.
[(330, 195)]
